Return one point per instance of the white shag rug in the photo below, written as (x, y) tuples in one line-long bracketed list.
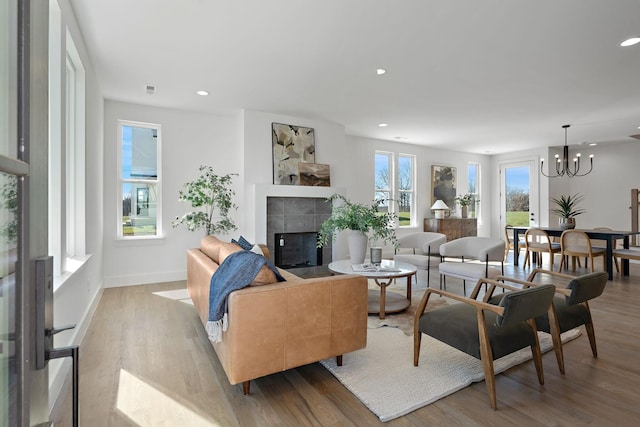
[(383, 377)]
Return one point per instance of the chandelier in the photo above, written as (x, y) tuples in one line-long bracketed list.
[(562, 164)]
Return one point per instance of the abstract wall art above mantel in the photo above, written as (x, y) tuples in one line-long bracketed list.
[(291, 145)]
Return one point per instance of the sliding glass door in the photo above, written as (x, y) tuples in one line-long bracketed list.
[(23, 148)]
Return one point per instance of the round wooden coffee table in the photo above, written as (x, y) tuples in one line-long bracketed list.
[(381, 303)]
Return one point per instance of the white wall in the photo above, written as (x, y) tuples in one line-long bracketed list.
[(607, 189), (76, 299), (188, 140), (258, 164), (360, 186)]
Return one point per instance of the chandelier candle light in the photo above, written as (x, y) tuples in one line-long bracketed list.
[(562, 165)]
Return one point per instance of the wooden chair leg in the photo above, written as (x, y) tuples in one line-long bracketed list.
[(592, 337), (536, 353), (554, 328), (417, 339), (562, 258), (487, 360), (245, 387)]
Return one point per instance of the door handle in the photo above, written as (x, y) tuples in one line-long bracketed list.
[(51, 332)]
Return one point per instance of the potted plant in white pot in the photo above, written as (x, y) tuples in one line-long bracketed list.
[(567, 209), (360, 219), (211, 196)]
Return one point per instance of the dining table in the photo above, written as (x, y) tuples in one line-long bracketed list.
[(610, 236)]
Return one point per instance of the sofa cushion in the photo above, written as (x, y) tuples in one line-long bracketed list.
[(244, 243), (210, 246), (264, 277)]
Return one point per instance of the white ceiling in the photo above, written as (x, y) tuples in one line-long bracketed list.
[(488, 76)]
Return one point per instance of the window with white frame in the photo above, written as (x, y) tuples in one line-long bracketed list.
[(139, 175), (66, 213), (396, 184), (383, 179), (406, 190), (473, 188)]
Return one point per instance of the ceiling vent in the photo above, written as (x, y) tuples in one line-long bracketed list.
[(635, 136), (151, 89)]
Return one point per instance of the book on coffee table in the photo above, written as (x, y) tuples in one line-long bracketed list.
[(368, 267)]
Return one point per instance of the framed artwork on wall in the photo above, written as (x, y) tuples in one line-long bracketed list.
[(443, 185), (291, 145), (314, 174)]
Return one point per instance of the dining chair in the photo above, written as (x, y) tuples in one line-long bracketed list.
[(576, 243), (537, 241), (510, 246), (603, 244), (486, 331)]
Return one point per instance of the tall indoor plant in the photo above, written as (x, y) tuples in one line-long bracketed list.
[(366, 222), (211, 196), (567, 209)]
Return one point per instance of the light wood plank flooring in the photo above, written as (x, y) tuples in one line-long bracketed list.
[(146, 361)]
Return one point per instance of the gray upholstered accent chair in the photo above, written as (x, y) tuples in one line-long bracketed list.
[(418, 248), (483, 249), (570, 307), (486, 331)]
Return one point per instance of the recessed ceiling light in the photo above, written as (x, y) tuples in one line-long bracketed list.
[(383, 125), (202, 93), (593, 144), (630, 42), (380, 71)]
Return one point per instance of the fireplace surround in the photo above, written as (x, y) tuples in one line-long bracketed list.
[(292, 226)]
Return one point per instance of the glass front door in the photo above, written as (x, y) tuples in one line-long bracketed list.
[(8, 221), (519, 194)]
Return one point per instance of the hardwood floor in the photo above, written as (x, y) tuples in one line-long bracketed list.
[(146, 361)]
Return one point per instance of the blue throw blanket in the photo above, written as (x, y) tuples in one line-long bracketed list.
[(236, 271)]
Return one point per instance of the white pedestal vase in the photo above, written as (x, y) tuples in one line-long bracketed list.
[(357, 246)]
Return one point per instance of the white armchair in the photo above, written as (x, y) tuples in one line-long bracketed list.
[(418, 248), (483, 249)]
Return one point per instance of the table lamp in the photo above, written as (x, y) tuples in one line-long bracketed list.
[(439, 207)]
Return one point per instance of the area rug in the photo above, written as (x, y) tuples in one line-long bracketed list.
[(383, 377)]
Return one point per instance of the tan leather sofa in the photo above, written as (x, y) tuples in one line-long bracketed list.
[(279, 326)]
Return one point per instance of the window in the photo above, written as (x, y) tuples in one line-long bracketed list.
[(139, 172), (406, 189), (397, 183), (473, 174), (66, 150), (383, 174)]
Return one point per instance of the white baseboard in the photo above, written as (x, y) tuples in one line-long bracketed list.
[(143, 279), (60, 380)]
